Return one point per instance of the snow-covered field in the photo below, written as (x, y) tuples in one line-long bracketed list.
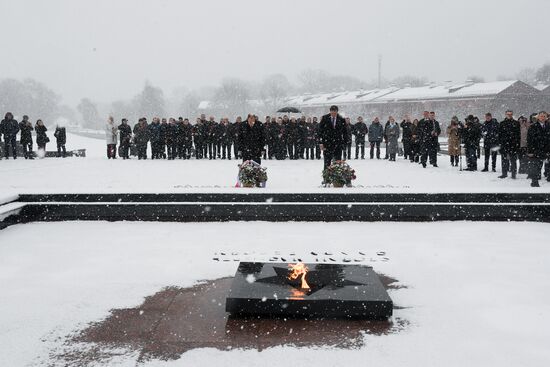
[(96, 173), (477, 293)]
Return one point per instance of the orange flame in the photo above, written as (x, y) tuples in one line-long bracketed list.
[(299, 270)]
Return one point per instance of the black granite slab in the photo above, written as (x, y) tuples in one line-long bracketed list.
[(336, 291)]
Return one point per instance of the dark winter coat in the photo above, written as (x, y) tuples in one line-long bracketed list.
[(376, 132), (154, 132), (9, 128), (201, 133), (141, 133), (509, 136), (163, 131), (41, 137), (349, 133), (471, 135), (185, 134), (331, 137), (407, 130), (489, 130), (428, 131), (26, 132), (537, 140), (125, 133), (251, 139), (60, 135), (224, 132), (360, 130), (310, 135), (171, 133)]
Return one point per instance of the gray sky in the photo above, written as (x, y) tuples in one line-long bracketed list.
[(106, 49)]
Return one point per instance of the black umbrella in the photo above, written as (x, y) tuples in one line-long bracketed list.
[(289, 110)]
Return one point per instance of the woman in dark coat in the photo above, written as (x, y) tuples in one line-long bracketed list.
[(26, 129), (41, 137), (252, 139)]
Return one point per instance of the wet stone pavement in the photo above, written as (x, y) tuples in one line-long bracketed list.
[(175, 320)]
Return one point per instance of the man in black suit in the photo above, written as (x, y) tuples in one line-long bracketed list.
[(333, 135)]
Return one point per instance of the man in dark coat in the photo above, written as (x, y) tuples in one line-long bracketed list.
[(171, 136), (509, 136), (406, 126), (429, 131), (538, 147), (317, 139), (280, 139), (301, 134), (225, 138), (125, 133), (61, 139), (184, 138), (154, 137), (349, 135), (292, 138), (25, 140), (162, 138), (9, 127), (490, 141), (375, 134), (212, 137), (310, 139), (333, 136), (252, 140), (470, 137), (360, 130), (141, 137), (272, 132), (235, 129)]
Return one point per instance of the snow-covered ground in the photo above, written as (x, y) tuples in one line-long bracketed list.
[(477, 293), (96, 173)]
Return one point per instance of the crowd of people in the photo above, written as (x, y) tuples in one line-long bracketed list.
[(525, 140)]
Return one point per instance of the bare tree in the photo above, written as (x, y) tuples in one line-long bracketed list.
[(233, 96), (527, 75), (274, 89), (90, 115), (476, 79), (29, 97), (409, 81), (543, 74), (150, 102)]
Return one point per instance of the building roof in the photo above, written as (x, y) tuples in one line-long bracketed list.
[(394, 94)]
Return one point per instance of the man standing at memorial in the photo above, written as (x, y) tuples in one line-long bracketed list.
[(333, 136), (252, 140)]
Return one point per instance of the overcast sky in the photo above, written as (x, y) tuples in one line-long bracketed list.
[(106, 49)]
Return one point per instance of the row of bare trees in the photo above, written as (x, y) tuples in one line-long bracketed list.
[(233, 96)]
